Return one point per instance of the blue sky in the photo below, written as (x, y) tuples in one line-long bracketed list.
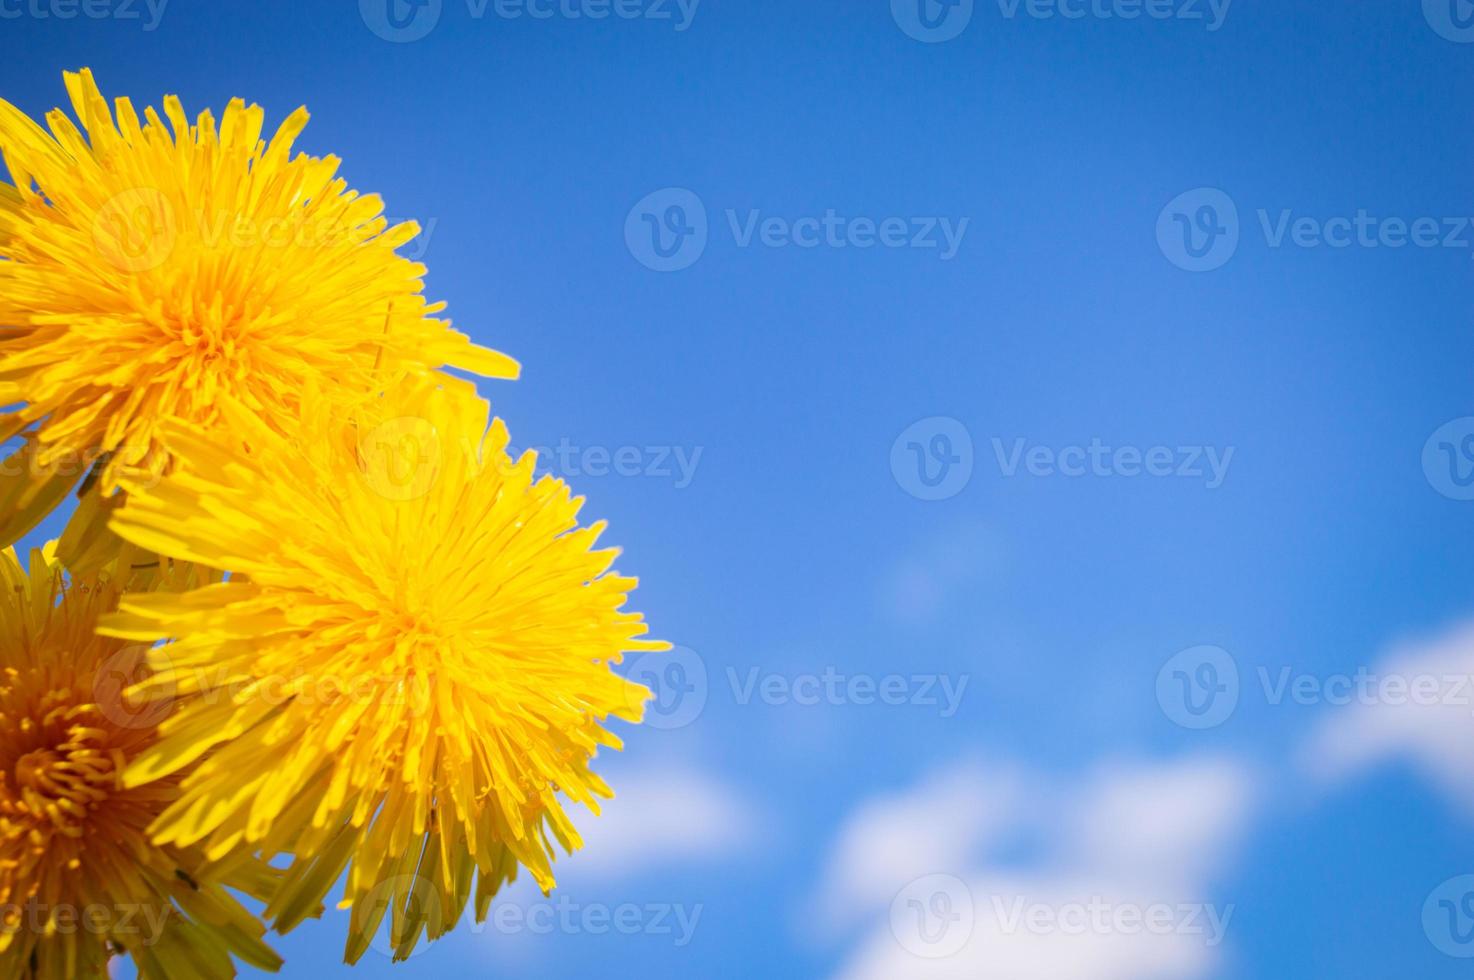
[(1175, 311)]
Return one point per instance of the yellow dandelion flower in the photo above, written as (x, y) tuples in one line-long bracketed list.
[(152, 271), (407, 668), (79, 878)]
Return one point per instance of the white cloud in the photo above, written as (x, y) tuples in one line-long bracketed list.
[(1417, 705), (1001, 947), (670, 816), (948, 820), (1115, 886), (1166, 823), (666, 816)]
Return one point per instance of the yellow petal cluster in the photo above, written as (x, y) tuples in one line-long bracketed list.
[(161, 267), (79, 876), (370, 646), (408, 666)]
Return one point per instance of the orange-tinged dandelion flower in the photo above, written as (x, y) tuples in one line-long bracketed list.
[(153, 270), (407, 670), (80, 880)]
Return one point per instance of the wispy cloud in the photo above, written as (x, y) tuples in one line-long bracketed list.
[(947, 820), (1416, 705), (670, 816), (1112, 883), (1172, 823)]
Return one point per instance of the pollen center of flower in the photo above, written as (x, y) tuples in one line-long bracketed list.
[(32, 769), (61, 785)]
